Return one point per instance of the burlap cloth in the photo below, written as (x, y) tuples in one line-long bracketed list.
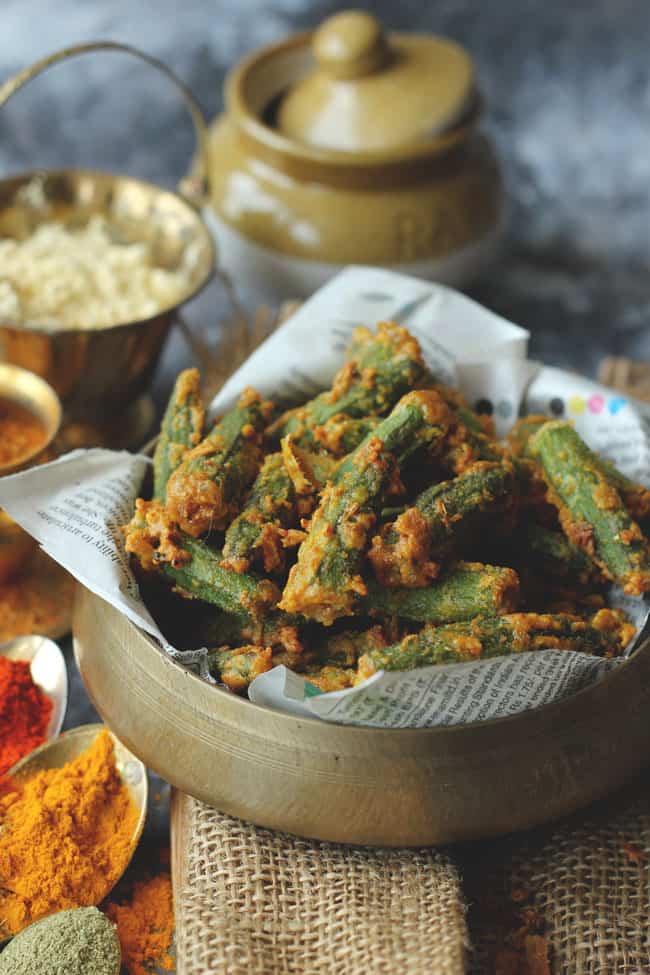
[(252, 902), (571, 899)]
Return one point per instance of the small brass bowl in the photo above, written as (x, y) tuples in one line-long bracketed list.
[(36, 395), (100, 372), (32, 392)]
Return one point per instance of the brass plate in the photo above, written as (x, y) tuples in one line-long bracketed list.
[(361, 785)]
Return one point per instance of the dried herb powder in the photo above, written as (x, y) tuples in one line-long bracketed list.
[(79, 942)]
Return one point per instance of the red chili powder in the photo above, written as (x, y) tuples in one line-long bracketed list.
[(24, 712)]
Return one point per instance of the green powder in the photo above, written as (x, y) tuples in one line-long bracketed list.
[(81, 942)]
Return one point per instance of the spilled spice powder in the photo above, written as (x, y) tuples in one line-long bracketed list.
[(39, 600), (24, 712), (145, 925), (65, 836)]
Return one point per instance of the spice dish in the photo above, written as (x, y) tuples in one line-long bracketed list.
[(50, 859), (48, 673), (30, 417)]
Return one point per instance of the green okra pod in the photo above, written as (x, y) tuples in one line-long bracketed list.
[(256, 533), (342, 434), (193, 566), (466, 590), (181, 429), (381, 367), (496, 636), (592, 513), (326, 581), (444, 518), (635, 497), (237, 668), (308, 471), (552, 552), (206, 491)]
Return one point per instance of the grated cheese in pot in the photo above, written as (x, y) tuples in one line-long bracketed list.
[(62, 278)]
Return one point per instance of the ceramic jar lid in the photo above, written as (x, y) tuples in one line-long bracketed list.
[(372, 91)]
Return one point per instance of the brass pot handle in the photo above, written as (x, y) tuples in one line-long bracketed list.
[(194, 187)]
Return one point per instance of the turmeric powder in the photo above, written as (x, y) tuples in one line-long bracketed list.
[(65, 837), (145, 925)]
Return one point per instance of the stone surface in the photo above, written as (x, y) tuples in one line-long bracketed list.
[(567, 88)]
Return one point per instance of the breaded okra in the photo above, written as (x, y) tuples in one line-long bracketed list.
[(466, 590), (326, 581), (192, 565), (635, 497), (238, 667), (591, 511), (206, 491), (256, 533), (181, 429), (380, 368), (496, 636), (409, 551), (309, 472), (470, 438), (342, 434), (551, 551)]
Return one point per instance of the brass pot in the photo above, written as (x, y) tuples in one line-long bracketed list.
[(378, 786), (349, 147), (98, 373)]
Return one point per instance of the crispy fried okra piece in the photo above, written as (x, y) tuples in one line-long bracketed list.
[(342, 434), (466, 590), (206, 491), (343, 649), (329, 678), (591, 511), (522, 431), (470, 438), (192, 565), (257, 532), (380, 368), (409, 551), (326, 581), (636, 497), (237, 668), (309, 472), (551, 551), (496, 636), (181, 429)]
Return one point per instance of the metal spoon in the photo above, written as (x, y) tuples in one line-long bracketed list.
[(68, 746), (47, 670)]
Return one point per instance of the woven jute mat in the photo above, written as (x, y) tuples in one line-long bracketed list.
[(254, 902), (570, 899)]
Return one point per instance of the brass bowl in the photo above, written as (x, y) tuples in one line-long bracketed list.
[(98, 373), (384, 787), (32, 392), (35, 394)]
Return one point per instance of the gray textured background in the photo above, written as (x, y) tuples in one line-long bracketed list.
[(567, 84), (567, 87)]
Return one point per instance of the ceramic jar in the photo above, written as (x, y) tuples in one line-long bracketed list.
[(349, 146)]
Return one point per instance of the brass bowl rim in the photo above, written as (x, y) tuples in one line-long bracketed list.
[(28, 175), (274, 141), (48, 389), (561, 704)]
